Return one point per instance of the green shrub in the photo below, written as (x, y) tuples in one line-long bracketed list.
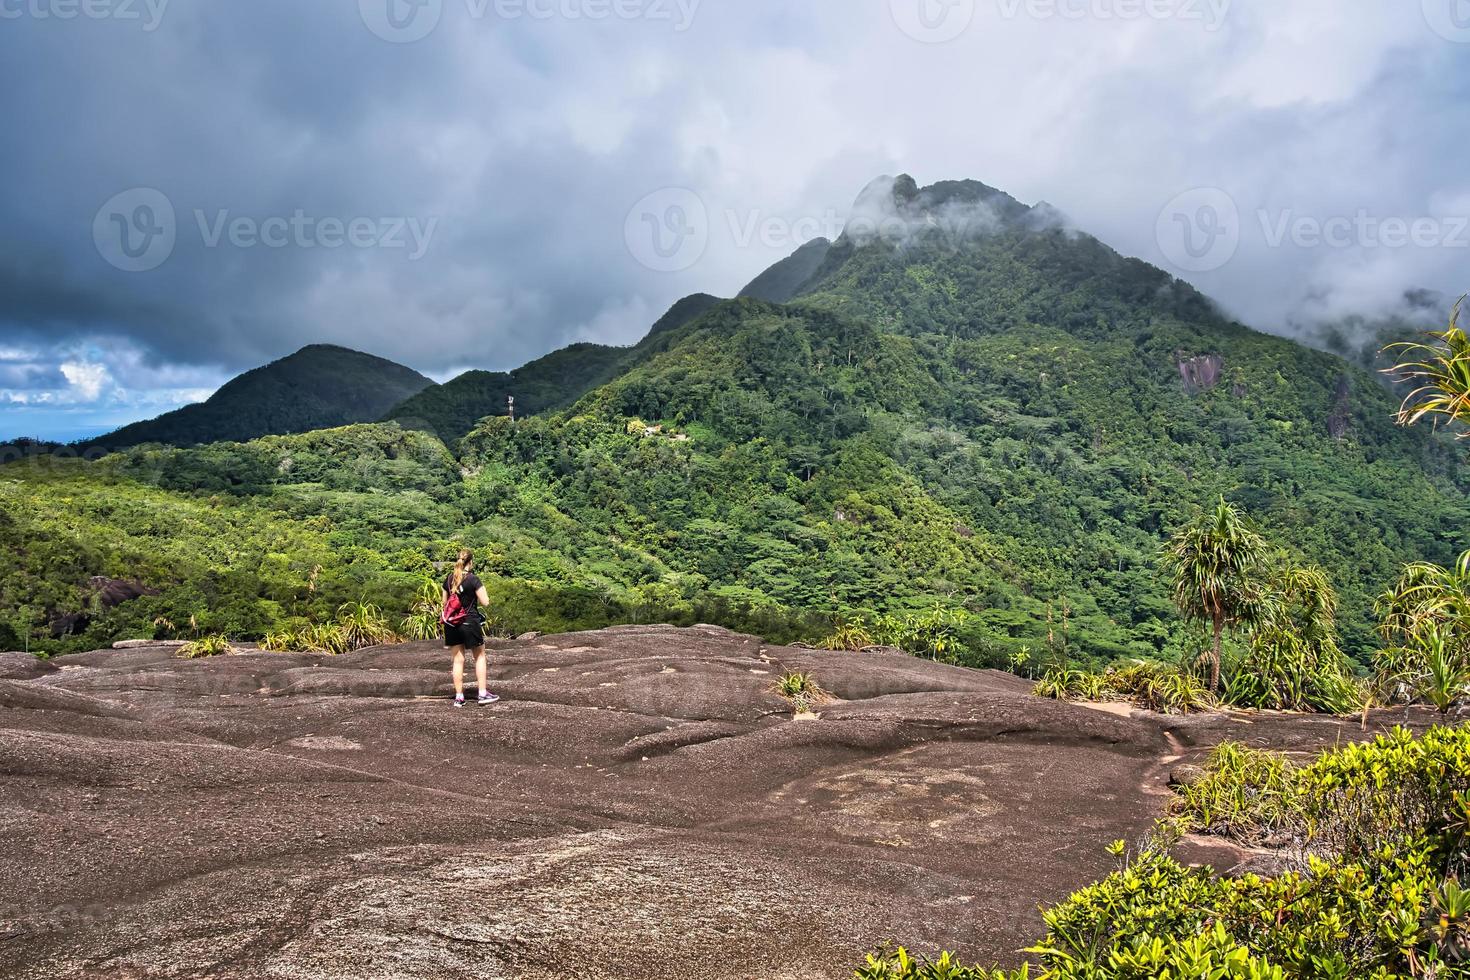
[(424, 620), (1155, 686), (899, 965), (1379, 896), (205, 647), (849, 635), (802, 690), (1245, 794)]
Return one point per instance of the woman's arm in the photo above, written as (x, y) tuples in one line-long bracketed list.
[(483, 596)]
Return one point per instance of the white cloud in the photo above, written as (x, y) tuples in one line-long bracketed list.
[(87, 380)]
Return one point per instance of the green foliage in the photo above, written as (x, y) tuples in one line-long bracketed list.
[(802, 690), (1394, 792), (1213, 563), (1164, 688), (1426, 631), (849, 635), (1293, 661), (1246, 794), (1443, 377), (1379, 896), (357, 625), (425, 619), (205, 647), (899, 965)]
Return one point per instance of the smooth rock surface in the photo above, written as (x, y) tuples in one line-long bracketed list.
[(641, 805)]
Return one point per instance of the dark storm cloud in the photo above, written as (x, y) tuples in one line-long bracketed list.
[(298, 150)]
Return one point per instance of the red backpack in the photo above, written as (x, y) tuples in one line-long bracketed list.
[(455, 612)]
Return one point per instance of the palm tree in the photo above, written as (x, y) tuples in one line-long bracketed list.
[(1426, 632), (1442, 376), (1216, 563)]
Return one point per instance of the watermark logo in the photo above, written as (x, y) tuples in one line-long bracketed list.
[(1211, 14), (1363, 230), (668, 230), (407, 21), (146, 13), (933, 21), (1199, 231), (1450, 19), (401, 21), (307, 231), (136, 231)]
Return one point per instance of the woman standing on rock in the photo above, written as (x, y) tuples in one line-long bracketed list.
[(464, 628)]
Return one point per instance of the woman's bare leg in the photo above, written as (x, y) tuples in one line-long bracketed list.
[(482, 669), (459, 671)]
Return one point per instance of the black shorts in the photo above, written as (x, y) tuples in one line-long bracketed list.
[(469, 634)]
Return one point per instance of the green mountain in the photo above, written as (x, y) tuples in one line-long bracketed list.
[(965, 403), (969, 402), (318, 387), (555, 381), (782, 281)]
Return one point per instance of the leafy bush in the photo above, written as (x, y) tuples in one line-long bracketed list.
[(1292, 661), (1426, 632), (364, 625), (205, 647), (358, 625), (1378, 898), (425, 619), (1351, 801), (899, 965), (801, 690), (849, 635), (1158, 687), (1245, 794)]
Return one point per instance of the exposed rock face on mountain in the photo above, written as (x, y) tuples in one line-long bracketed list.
[(318, 387), (641, 797), (1201, 373), (104, 593)]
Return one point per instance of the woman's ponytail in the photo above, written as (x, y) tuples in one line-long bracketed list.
[(461, 569)]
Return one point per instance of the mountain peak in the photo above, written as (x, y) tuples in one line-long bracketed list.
[(897, 209)]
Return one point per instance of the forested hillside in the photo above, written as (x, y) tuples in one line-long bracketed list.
[(318, 387), (549, 383), (966, 407)]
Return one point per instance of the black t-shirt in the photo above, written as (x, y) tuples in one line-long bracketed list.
[(469, 590)]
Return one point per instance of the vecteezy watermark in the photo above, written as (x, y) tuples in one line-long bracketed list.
[(938, 21), (1210, 14), (668, 230), (138, 230), (407, 21), (1450, 19), (933, 21), (1202, 229), (147, 13), (671, 229), (1363, 230), (1199, 231)]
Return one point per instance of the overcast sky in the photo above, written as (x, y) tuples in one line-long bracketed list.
[(194, 187)]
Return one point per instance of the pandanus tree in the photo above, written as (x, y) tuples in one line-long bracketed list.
[(1293, 660), (1215, 564), (1426, 632), (1426, 616), (1440, 366)]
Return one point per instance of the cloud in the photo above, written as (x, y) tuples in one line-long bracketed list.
[(529, 139), (86, 380)]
